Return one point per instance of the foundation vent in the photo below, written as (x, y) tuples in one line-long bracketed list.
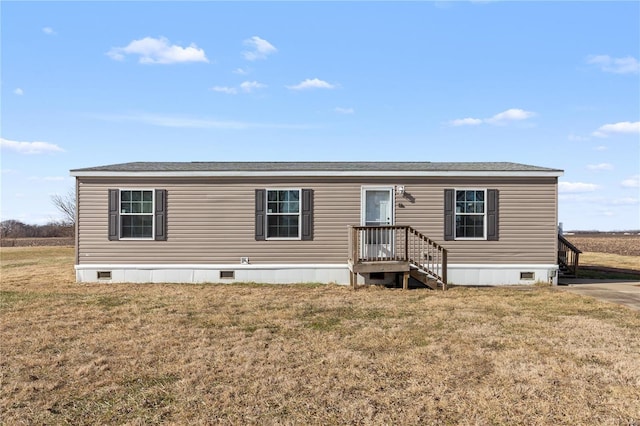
[(227, 275), (104, 275)]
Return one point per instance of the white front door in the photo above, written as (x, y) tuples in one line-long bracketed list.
[(377, 210)]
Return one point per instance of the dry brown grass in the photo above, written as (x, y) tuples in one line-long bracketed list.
[(236, 354), (625, 245), (631, 263), (33, 242), (608, 251)]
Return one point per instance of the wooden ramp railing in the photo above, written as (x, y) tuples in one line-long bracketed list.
[(568, 257), (397, 249)]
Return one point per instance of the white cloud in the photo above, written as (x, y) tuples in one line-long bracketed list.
[(601, 166), (606, 212), (576, 187), (513, 114), (621, 127), (48, 31), (581, 198), (626, 65), (225, 89), (158, 51), (240, 71), (576, 138), (502, 118), (30, 147), (631, 182), (245, 86), (312, 83), (250, 86), (465, 122), (341, 110), (625, 201), (18, 91), (260, 48), (600, 148)]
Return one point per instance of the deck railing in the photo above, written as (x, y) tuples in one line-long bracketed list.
[(398, 243), (568, 256)]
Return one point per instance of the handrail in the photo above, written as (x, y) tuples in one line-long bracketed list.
[(398, 243), (568, 255), (427, 255), (568, 243)]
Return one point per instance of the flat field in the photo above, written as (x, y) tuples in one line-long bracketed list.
[(625, 245), (602, 251), (304, 354)]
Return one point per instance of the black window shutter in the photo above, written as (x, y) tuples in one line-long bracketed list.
[(492, 214), (161, 215), (114, 217), (449, 210), (260, 213), (307, 214)]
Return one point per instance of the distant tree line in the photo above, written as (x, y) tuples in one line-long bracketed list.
[(16, 229), (65, 227)]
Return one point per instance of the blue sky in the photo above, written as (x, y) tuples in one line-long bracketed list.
[(553, 84)]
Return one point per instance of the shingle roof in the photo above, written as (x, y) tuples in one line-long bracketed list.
[(344, 167)]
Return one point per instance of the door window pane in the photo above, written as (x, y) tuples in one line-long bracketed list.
[(377, 207)]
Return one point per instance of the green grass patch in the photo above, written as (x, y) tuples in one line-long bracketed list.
[(9, 299)]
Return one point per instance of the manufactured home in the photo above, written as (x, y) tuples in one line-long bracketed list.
[(477, 223)]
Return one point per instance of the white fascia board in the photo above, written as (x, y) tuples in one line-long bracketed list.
[(452, 173)]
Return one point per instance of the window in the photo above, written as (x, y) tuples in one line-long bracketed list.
[(470, 217), (471, 214), (284, 214), (138, 214)]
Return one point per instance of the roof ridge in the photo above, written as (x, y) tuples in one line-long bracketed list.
[(344, 167)]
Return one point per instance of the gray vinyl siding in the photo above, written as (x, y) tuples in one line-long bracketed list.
[(527, 219), (211, 220)]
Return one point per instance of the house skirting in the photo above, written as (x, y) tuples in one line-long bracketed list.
[(232, 273), (458, 274), (506, 274)]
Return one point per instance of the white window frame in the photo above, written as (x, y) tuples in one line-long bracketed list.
[(267, 214), (153, 214), (456, 214)]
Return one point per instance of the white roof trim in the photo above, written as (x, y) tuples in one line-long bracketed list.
[(439, 173)]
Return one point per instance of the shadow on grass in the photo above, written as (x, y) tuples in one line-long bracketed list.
[(607, 273)]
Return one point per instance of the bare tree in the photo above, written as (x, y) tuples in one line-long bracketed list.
[(66, 204)]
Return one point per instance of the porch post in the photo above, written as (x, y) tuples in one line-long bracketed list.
[(406, 243), (444, 268)]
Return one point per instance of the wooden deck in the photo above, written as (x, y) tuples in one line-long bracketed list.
[(379, 266), (399, 249)]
